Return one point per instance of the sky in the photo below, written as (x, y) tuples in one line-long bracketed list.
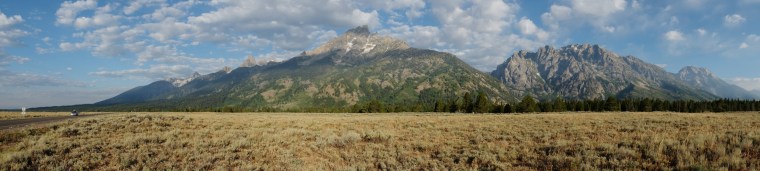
[(77, 52)]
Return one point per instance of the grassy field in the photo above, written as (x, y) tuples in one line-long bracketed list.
[(17, 115), (407, 141)]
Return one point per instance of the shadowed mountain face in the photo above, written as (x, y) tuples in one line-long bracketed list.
[(590, 72), (354, 68), (756, 93), (704, 79)]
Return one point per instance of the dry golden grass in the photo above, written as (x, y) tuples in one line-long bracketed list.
[(409, 141), (17, 115)]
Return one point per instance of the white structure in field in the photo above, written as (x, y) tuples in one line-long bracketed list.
[(23, 111)]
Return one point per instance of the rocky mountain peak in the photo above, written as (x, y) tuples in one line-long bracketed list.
[(361, 30), (704, 79), (179, 82), (249, 62), (693, 71), (587, 71), (359, 41)]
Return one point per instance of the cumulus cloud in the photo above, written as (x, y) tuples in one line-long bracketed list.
[(746, 83), (528, 28), (102, 17), (69, 10), (481, 32), (597, 13), (6, 59), (417, 36), (673, 35), (733, 20), (138, 4), (7, 21), (8, 34), (413, 7), (598, 8), (744, 45), (154, 72)]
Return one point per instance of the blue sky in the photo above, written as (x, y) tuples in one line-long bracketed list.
[(74, 52)]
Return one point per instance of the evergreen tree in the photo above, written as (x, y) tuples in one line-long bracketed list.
[(612, 104), (527, 105), (559, 105), (482, 105), (467, 103), (508, 108), (439, 106)]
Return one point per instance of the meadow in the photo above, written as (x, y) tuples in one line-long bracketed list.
[(399, 141), (18, 115)]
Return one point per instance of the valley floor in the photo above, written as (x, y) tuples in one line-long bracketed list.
[(404, 141)]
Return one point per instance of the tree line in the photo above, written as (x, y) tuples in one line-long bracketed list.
[(468, 103), (481, 104)]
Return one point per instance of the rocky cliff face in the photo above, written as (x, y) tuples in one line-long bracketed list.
[(704, 79), (590, 72)]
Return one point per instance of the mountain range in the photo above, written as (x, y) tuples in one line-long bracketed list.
[(354, 68), (359, 67)]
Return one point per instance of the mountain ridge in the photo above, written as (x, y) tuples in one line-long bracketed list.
[(354, 68), (584, 71), (706, 80)]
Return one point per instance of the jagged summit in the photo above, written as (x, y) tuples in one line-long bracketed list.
[(249, 62), (361, 30), (690, 71), (706, 80), (179, 82), (585, 71), (359, 42)]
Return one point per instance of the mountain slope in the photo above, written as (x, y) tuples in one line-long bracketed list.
[(704, 79), (142, 93), (590, 72), (354, 68)]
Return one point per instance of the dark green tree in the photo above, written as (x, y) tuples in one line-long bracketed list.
[(527, 105), (467, 103), (559, 105), (439, 107), (482, 104), (612, 104), (508, 108)]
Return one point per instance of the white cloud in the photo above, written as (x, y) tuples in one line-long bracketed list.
[(138, 4), (746, 83), (673, 35), (662, 65), (527, 27), (753, 37), (413, 7), (701, 31), (8, 34), (598, 8), (155, 72), (102, 17), (481, 32), (69, 10), (417, 36), (6, 59), (743, 45), (14, 79), (733, 20), (7, 21), (600, 14), (635, 4)]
